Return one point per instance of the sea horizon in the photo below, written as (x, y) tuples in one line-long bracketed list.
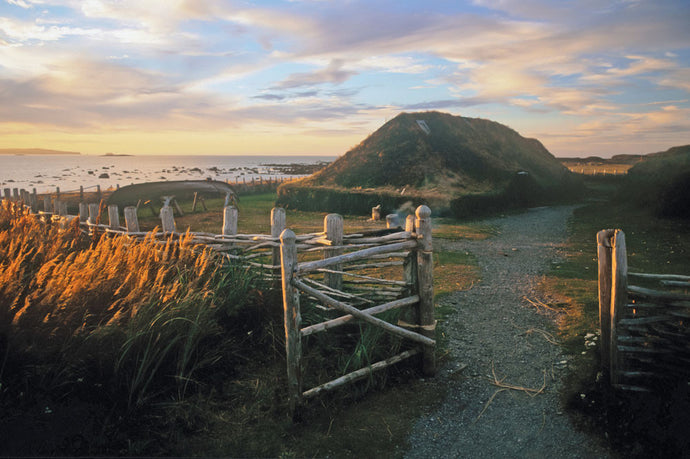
[(69, 172)]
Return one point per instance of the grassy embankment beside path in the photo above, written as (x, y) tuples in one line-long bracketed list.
[(635, 424), (177, 377)]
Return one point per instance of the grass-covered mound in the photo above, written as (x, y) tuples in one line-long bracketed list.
[(661, 182), (431, 158)]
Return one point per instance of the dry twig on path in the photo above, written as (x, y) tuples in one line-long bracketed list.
[(547, 336), (540, 304), (505, 386)]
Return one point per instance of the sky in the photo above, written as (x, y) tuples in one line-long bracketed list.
[(316, 77)]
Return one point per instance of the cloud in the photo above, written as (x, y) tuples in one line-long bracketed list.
[(334, 73), (20, 3), (189, 63)]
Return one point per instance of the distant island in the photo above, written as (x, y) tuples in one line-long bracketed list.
[(35, 151), (116, 154)]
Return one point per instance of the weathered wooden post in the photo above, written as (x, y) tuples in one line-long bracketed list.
[(376, 213), (83, 212), (196, 197), (93, 214), (167, 219), (605, 278), (131, 219), (8, 193), (98, 192), (46, 203), (62, 208), (333, 227), (230, 218), (619, 298), (278, 223), (392, 221), (177, 207), (409, 223), (113, 217), (34, 200), (56, 206), (292, 319), (409, 316), (15, 194), (425, 279), (81, 192), (57, 193)]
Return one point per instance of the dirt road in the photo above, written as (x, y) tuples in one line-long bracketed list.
[(497, 335)]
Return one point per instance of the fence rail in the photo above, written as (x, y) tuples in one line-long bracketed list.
[(645, 335)]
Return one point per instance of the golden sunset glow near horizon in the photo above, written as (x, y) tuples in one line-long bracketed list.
[(316, 77)]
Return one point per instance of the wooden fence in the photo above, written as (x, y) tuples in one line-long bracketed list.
[(51, 201), (330, 268), (645, 330), (345, 288)]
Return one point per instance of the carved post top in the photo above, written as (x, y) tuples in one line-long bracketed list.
[(423, 225), (423, 212), (333, 227), (604, 237), (331, 217), (287, 236)]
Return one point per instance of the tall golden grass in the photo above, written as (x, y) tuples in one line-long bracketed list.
[(147, 314)]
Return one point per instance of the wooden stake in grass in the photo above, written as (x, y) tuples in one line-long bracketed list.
[(333, 227), (230, 217), (131, 219), (604, 253), (113, 217), (278, 224), (425, 279), (167, 219), (619, 298), (292, 319)]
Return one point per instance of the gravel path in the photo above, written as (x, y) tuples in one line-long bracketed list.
[(495, 329)]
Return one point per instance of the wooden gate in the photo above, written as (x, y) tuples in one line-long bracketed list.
[(415, 291), (645, 332)]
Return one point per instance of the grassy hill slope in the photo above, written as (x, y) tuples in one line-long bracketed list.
[(457, 151), (433, 157), (662, 182)]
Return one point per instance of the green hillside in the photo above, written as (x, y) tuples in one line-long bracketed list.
[(464, 153), (661, 182), (659, 167), (435, 157)]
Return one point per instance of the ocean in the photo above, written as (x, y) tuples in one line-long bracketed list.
[(69, 172)]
